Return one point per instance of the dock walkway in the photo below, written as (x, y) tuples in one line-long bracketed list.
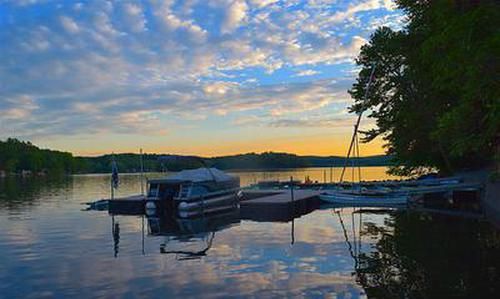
[(277, 197), (278, 205), (131, 205), (259, 205)]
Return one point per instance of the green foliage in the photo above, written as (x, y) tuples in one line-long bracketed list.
[(268, 160), (16, 156), (430, 256), (436, 94)]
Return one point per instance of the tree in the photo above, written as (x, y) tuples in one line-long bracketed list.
[(16, 156), (436, 92)]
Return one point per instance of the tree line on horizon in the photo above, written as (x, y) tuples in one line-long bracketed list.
[(17, 156), (435, 96)]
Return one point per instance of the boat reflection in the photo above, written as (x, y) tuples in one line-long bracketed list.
[(190, 238)]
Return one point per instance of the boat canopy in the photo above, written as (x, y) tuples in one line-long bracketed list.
[(197, 175)]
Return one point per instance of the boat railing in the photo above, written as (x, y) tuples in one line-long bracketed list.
[(211, 194)]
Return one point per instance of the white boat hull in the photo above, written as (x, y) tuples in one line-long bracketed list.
[(350, 199), (212, 202)]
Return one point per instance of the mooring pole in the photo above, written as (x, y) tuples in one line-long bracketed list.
[(142, 173), (356, 126), (142, 229), (293, 207), (112, 188)]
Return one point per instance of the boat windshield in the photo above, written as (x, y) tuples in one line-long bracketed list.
[(197, 190), (163, 191), (153, 190)]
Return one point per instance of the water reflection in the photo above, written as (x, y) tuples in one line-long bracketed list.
[(186, 254), (18, 192), (188, 231), (176, 231), (116, 236), (423, 255), (57, 250)]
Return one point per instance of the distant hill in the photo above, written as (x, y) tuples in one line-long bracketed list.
[(23, 157), (267, 160), (20, 157)]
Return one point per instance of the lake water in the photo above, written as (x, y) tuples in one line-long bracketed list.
[(50, 247)]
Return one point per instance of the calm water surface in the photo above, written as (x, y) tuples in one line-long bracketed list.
[(50, 248)]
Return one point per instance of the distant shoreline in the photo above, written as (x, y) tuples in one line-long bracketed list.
[(227, 170), (19, 158)]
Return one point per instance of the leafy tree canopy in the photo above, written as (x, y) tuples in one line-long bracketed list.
[(436, 93)]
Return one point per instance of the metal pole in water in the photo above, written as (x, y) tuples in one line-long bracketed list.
[(142, 173), (142, 229), (293, 222), (112, 188)]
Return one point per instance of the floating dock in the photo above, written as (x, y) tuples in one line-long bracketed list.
[(131, 205), (258, 205), (278, 205), (283, 205), (277, 198)]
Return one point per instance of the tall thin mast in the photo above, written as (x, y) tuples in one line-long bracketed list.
[(142, 173), (356, 126)]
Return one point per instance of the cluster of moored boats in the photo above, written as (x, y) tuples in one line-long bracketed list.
[(209, 190), (204, 191)]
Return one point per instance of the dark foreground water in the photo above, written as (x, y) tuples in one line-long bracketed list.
[(51, 248)]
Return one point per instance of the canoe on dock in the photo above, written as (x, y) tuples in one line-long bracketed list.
[(366, 199)]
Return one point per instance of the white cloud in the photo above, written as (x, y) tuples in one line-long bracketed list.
[(262, 3), (307, 73), (69, 25), (219, 88), (134, 17), (117, 65), (356, 8), (235, 14), (18, 108), (315, 122)]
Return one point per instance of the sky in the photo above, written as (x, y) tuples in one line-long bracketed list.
[(205, 77)]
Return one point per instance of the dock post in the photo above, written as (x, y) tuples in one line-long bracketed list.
[(112, 189), (293, 204), (142, 172)]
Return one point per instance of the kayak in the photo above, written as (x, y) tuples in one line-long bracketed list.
[(372, 199)]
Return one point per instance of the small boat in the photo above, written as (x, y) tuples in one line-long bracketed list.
[(100, 205), (360, 196), (364, 198), (194, 192)]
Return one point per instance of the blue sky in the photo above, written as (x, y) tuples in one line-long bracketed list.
[(204, 77)]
